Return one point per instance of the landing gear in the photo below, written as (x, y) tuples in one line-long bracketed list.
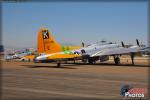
[(92, 60), (84, 60), (74, 61), (132, 58), (116, 60), (58, 64)]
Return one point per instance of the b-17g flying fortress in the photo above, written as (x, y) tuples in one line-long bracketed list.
[(96, 70)]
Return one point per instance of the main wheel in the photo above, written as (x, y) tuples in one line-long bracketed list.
[(84, 60), (58, 64), (90, 61), (117, 60)]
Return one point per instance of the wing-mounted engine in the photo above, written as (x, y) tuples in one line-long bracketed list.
[(103, 58)]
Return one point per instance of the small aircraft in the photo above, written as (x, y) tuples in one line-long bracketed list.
[(20, 56), (89, 54)]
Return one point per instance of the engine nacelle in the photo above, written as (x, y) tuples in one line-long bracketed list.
[(103, 58)]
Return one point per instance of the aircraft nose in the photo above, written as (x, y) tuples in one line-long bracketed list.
[(35, 59), (39, 58)]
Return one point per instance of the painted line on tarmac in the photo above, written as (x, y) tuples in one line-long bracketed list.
[(101, 95), (68, 78)]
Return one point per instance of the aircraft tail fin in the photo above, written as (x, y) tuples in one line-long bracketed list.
[(46, 42), (137, 42), (122, 44)]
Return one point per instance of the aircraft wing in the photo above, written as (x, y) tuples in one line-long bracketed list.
[(120, 50), (56, 56), (63, 56)]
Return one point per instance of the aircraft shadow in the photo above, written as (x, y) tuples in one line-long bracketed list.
[(107, 64), (40, 66), (64, 65)]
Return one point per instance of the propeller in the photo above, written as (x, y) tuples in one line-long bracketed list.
[(137, 41), (83, 44), (122, 44)]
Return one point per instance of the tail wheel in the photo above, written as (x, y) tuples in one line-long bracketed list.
[(23, 60), (58, 64), (29, 60)]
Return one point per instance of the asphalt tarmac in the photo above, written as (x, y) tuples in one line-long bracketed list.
[(28, 80)]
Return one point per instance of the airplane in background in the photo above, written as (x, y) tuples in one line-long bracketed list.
[(20, 56), (90, 54)]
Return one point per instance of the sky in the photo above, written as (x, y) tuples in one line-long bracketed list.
[(74, 22)]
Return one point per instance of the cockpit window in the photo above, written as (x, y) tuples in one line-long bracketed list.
[(76, 52)]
